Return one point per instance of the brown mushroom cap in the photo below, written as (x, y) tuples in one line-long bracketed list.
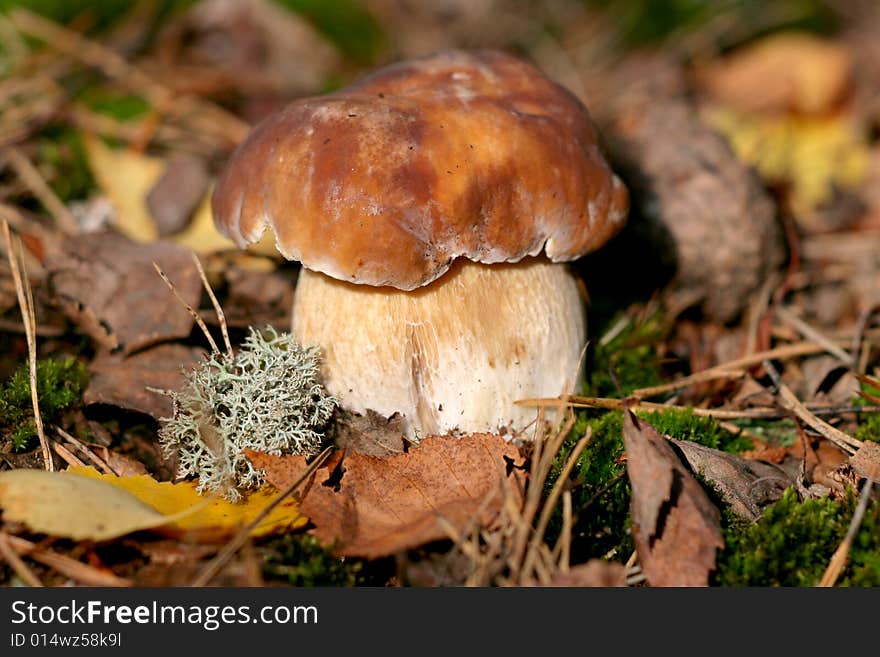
[(387, 181)]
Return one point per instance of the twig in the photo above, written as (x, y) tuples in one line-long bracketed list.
[(790, 401), (62, 39), (746, 362), (66, 455), (550, 503), (189, 308), (38, 185), (700, 377), (816, 336), (221, 318), (11, 557), (840, 556), (26, 305), (89, 454), (233, 546), (76, 570)]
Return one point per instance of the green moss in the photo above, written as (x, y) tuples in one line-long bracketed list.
[(299, 560), (686, 425), (62, 149), (869, 427), (627, 362), (59, 386), (794, 542), (600, 492)]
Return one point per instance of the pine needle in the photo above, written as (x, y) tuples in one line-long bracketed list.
[(23, 290)]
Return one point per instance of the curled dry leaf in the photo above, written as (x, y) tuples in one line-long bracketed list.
[(676, 529), (106, 284), (747, 486), (866, 461), (382, 506), (125, 382)]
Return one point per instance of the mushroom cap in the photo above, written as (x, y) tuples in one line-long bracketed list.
[(387, 181)]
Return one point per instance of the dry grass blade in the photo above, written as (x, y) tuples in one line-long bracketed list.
[(550, 503), (790, 401), (26, 304), (31, 177), (66, 455), (816, 336), (229, 550), (189, 308), (840, 556), (75, 570), (20, 568), (85, 451), (221, 317), (59, 38)]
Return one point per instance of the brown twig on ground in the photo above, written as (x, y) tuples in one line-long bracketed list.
[(31, 177), (66, 455), (229, 550), (189, 308), (75, 570), (89, 454), (789, 401), (205, 115), (221, 317), (26, 305), (20, 568), (814, 335), (840, 556)]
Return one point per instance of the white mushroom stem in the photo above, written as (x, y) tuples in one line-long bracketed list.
[(453, 355)]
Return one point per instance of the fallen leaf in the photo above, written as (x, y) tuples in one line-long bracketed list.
[(676, 529), (66, 505), (747, 487), (107, 285), (126, 177), (257, 297), (216, 517), (382, 506), (172, 200), (812, 156), (125, 381), (783, 72), (866, 461), (202, 236), (371, 434), (595, 572)]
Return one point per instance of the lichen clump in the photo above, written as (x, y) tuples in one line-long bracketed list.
[(268, 397)]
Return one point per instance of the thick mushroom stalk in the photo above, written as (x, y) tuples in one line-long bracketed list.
[(453, 355)]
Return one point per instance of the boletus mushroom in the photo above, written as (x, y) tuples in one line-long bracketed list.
[(432, 206)]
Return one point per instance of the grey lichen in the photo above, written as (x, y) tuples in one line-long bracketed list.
[(267, 397)]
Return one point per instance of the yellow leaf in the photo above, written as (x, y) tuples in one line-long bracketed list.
[(217, 516), (63, 504), (126, 177), (202, 235), (811, 155)]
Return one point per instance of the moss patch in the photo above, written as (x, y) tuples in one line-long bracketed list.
[(627, 362), (793, 543), (299, 560), (60, 383)]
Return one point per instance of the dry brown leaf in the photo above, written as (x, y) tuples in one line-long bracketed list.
[(177, 193), (595, 572), (381, 507), (866, 461), (107, 285), (676, 529), (371, 434), (747, 486), (784, 72), (125, 381)]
